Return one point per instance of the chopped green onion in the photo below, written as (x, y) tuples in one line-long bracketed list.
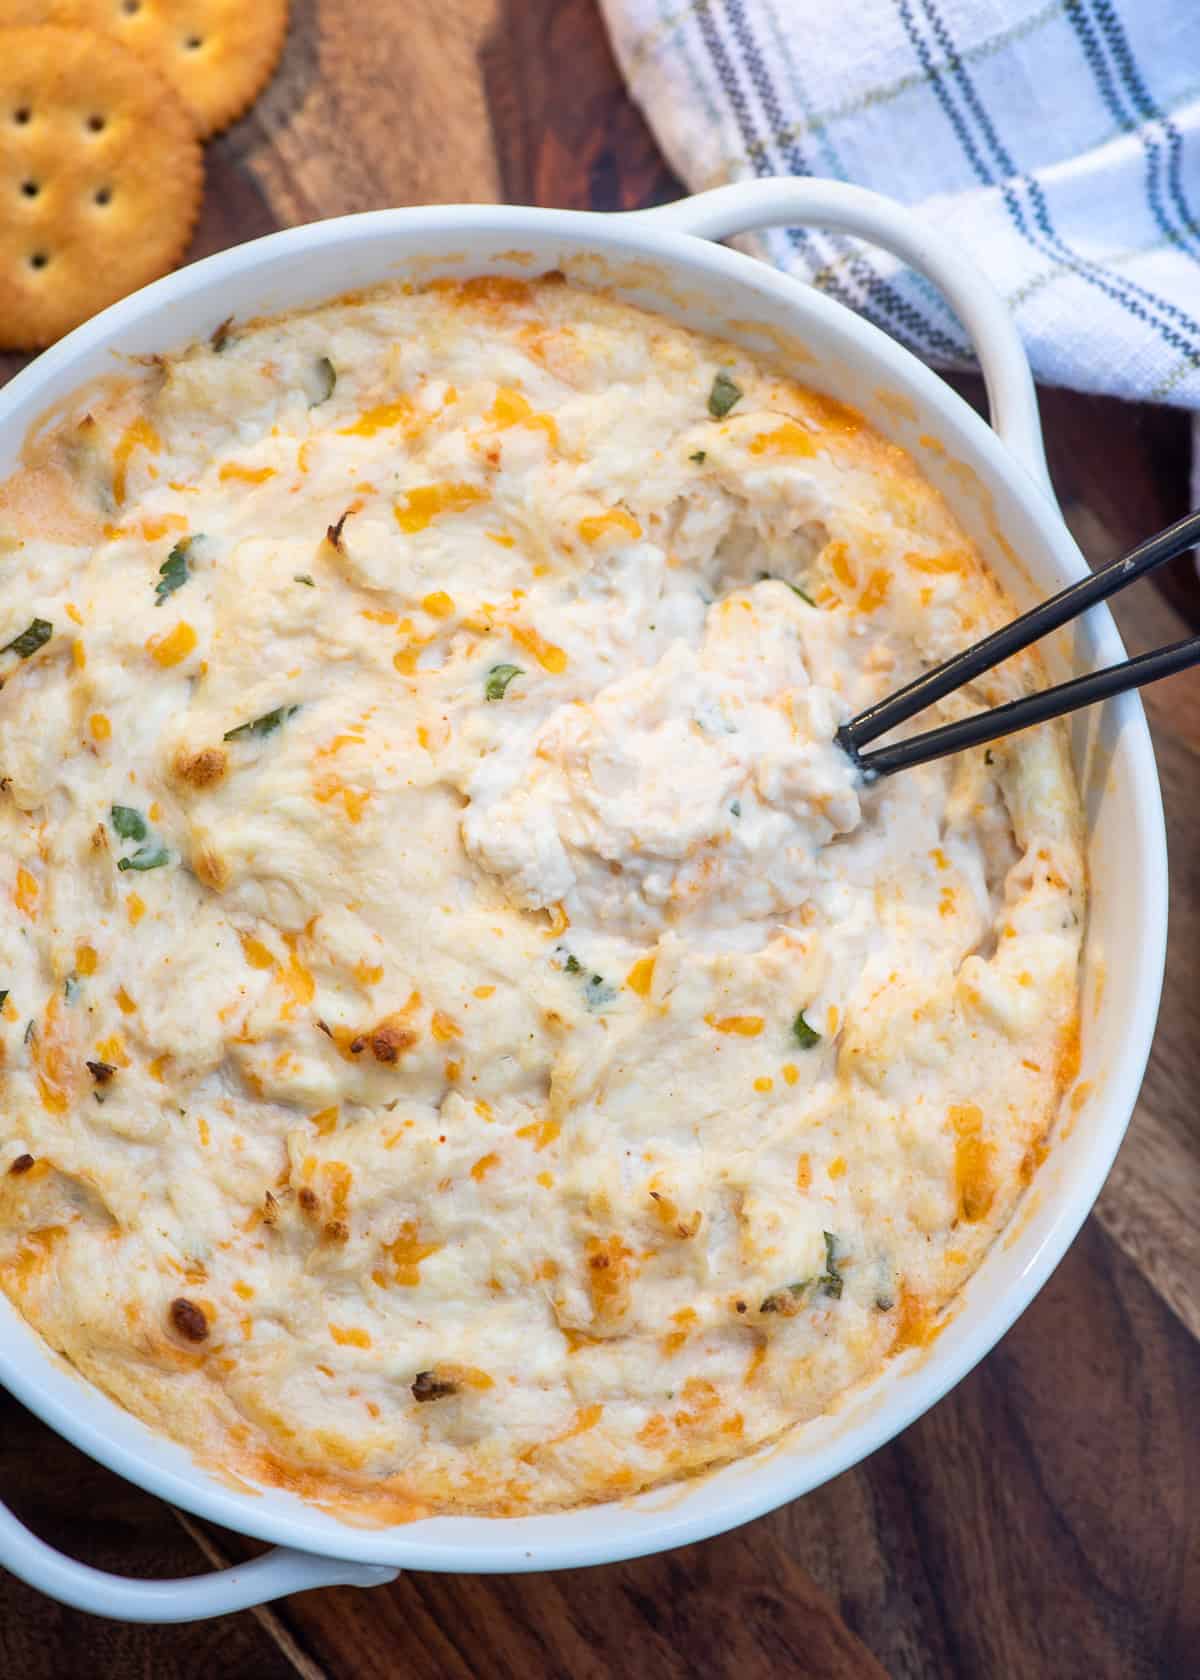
[(803, 1034), (267, 724), (152, 856), (785, 1301), (573, 964), (699, 457), (788, 1300), (303, 577), (70, 988), (723, 396), (128, 823), (498, 679), (29, 641), (173, 573), (831, 1281), (3, 998)]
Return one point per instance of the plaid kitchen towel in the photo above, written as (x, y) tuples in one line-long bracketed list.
[(1058, 141)]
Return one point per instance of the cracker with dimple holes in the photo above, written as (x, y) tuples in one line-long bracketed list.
[(100, 179), (220, 54)]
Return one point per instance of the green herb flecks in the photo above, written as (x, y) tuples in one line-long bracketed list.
[(128, 824), (735, 809), (498, 679), (70, 988), (803, 1034), (723, 396), (324, 381), (830, 1281), (3, 998), (151, 856), (596, 989), (788, 1301), (30, 1031), (30, 640), (267, 724), (699, 457), (303, 577), (173, 573), (793, 1297), (597, 992)]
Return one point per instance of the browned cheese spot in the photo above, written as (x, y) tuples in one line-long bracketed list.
[(427, 1385), (188, 1320), (201, 769)]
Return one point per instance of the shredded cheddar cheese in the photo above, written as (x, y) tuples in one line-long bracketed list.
[(472, 1042)]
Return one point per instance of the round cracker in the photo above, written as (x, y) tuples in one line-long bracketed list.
[(100, 179), (220, 54)]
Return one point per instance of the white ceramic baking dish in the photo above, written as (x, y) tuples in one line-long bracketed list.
[(996, 480)]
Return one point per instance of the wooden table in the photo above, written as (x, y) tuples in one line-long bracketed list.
[(1044, 1520)]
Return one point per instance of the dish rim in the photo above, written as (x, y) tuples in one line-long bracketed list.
[(440, 1543)]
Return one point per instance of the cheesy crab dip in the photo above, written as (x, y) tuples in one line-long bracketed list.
[(469, 1041)]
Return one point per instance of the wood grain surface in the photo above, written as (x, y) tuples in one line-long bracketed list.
[(1044, 1520)]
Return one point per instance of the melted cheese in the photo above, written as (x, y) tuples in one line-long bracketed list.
[(472, 1042)]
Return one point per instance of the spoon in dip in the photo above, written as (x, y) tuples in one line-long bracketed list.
[(1066, 697)]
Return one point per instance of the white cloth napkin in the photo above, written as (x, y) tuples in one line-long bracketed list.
[(1057, 140)]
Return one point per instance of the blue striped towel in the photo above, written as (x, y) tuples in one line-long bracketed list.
[(1058, 141)]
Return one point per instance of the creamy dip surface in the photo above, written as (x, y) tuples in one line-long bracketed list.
[(469, 1041)]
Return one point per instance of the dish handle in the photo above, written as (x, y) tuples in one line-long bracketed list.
[(190, 1599), (780, 201)]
